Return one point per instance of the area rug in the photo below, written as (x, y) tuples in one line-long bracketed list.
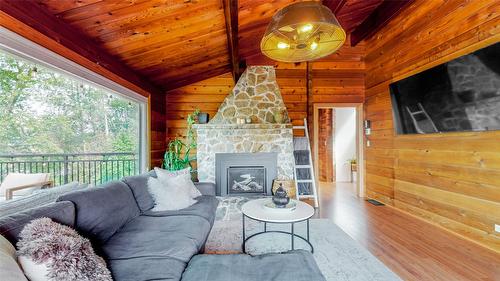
[(338, 256)]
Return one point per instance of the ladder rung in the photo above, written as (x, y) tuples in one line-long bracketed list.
[(306, 196), (304, 181), (299, 127), (302, 166)]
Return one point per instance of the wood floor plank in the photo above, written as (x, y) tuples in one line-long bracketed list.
[(409, 246)]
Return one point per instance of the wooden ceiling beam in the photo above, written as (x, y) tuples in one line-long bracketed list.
[(231, 17), (387, 10), (69, 42)]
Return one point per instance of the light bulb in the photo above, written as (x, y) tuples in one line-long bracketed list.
[(314, 45), (306, 28), (283, 45)]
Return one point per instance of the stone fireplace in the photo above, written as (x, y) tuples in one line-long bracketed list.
[(256, 96)]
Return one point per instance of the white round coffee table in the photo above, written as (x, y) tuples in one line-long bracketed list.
[(256, 210)]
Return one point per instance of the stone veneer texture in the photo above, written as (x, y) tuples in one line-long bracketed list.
[(248, 138), (256, 95)]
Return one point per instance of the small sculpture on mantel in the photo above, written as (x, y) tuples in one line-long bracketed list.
[(280, 197)]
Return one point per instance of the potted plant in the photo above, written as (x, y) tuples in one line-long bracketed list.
[(177, 156), (353, 163)]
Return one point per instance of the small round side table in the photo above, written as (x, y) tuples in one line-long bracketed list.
[(256, 210)]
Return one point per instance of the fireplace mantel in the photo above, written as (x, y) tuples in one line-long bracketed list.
[(242, 126)]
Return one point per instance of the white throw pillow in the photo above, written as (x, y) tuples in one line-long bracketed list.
[(9, 268), (181, 177), (169, 197)]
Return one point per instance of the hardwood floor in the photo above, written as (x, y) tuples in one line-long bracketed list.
[(412, 248)]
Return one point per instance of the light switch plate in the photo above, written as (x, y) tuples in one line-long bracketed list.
[(497, 227)]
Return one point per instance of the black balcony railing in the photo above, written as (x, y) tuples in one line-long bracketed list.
[(92, 168)]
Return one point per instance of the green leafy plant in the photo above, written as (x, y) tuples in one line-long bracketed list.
[(177, 156), (352, 161)]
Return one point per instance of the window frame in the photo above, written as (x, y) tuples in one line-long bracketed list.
[(15, 44)]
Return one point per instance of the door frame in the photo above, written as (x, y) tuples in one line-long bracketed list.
[(360, 175)]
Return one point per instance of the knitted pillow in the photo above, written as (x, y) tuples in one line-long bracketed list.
[(50, 251)]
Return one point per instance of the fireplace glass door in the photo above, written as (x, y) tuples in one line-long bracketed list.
[(249, 179)]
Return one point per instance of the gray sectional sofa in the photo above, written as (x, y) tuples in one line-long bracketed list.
[(139, 244)]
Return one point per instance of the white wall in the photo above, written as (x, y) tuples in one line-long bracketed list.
[(345, 141)]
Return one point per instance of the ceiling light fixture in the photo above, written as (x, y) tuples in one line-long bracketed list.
[(310, 30), (283, 45)]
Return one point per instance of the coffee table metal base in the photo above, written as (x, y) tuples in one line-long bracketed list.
[(291, 233)]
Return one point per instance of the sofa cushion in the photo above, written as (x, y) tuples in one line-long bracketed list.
[(101, 211), (206, 188), (205, 208), (147, 268), (61, 212), (298, 265), (139, 186), (177, 237)]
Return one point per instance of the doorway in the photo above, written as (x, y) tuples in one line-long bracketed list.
[(338, 144)]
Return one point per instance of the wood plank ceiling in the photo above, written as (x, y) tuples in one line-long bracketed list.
[(179, 42)]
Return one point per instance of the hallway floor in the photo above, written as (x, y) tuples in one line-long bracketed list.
[(412, 248)]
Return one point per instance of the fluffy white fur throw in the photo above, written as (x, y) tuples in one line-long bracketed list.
[(67, 255)]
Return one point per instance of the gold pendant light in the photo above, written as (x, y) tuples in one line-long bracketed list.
[(303, 31)]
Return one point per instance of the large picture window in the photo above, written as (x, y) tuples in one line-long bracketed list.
[(53, 122)]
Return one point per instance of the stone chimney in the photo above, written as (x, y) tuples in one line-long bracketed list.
[(256, 95)]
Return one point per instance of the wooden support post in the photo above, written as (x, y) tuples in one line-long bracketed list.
[(310, 103), (231, 16)]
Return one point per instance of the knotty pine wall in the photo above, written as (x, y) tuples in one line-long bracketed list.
[(158, 130), (451, 179), (338, 78)]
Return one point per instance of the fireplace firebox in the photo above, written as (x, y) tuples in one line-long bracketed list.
[(245, 174), (246, 179)]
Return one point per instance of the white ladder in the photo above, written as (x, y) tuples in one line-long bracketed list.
[(306, 187), (423, 125)]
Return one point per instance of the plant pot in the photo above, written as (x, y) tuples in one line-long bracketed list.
[(203, 118)]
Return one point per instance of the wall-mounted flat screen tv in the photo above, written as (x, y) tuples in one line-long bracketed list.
[(460, 95)]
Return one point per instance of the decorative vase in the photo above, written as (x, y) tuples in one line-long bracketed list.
[(203, 118), (280, 197)]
